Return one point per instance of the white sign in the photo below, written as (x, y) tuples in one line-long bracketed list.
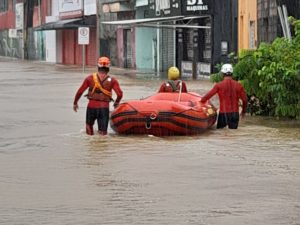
[(69, 5), (186, 69), (83, 35), (90, 7), (162, 5), (203, 69), (19, 16), (70, 8), (12, 33), (196, 5)]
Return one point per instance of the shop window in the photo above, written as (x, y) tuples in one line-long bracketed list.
[(3, 5)]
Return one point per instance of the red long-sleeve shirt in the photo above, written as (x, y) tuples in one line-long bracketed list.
[(94, 103), (229, 92)]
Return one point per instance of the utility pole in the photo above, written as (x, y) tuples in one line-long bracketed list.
[(98, 28), (24, 33)]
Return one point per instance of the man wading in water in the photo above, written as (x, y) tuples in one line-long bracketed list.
[(229, 92), (100, 94)]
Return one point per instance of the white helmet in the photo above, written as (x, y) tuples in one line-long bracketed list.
[(227, 68)]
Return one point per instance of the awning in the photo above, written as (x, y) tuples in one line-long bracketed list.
[(158, 22), (140, 21), (89, 21)]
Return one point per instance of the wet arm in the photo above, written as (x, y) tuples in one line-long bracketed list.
[(116, 87), (243, 96), (184, 88), (80, 91), (211, 93), (162, 88)]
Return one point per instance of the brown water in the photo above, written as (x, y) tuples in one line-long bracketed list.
[(52, 173)]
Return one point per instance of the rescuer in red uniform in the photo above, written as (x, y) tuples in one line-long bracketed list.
[(173, 84), (100, 86), (229, 92)]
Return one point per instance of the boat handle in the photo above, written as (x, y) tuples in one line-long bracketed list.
[(148, 125), (153, 116)]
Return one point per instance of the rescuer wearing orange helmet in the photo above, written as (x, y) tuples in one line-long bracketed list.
[(173, 84), (100, 86)]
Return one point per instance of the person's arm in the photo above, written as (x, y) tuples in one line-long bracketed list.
[(117, 89), (184, 88), (79, 92), (211, 93), (243, 96), (162, 88)]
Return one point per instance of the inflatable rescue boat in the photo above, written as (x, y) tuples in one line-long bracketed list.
[(164, 114)]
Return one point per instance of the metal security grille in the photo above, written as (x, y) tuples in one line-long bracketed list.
[(167, 48), (197, 49), (127, 49)]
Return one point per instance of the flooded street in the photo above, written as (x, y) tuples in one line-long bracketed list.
[(52, 173)]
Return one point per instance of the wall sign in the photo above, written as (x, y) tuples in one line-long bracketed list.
[(83, 35), (186, 69), (70, 8), (161, 8), (19, 16), (203, 69), (201, 7)]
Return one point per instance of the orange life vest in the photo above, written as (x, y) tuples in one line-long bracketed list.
[(100, 90)]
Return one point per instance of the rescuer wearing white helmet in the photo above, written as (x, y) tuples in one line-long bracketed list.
[(173, 84), (229, 92)]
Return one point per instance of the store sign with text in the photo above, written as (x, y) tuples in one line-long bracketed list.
[(70, 8), (161, 8), (202, 7)]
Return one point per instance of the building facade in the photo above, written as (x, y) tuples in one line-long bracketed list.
[(17, 38), (269, 26), (118, 42), (193, 35), (63, 36), (247, 24)]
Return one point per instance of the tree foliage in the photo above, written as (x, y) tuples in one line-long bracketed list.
[(271, 75)]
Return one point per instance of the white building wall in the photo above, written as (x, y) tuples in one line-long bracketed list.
[(53, 39), (50, 37), (90, 7), (54, 9)]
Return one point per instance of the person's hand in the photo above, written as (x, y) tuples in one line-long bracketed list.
[(75, 107), (116, 104), (243, 115)]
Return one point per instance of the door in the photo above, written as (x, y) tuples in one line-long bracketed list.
[(127, 49)]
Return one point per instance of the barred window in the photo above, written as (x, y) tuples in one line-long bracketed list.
[(4, 5)]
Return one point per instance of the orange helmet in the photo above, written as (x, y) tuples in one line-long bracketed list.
[(103, 62)]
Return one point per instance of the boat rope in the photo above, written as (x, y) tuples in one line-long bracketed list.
[(180, 90)]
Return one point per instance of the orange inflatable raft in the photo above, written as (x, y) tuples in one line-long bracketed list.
[(164, 114)]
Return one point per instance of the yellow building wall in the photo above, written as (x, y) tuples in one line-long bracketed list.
[(247, 24)]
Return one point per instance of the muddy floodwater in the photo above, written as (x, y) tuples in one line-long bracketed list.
[(52, 173)]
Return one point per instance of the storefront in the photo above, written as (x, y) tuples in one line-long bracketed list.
[(196, 35), (118, 42), (195, 45), (62, 32)]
